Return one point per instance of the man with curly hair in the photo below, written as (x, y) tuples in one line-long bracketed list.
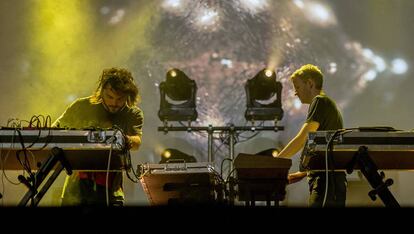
[(114, 103)]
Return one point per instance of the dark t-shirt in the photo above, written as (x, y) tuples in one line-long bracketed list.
[(324, 111), (83, 114)]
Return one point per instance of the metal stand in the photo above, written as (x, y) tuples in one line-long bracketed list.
[(210, 144), (370, 171), (232, 130), (210, 130), (56, 156)]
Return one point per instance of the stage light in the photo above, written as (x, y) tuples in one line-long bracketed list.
[(178, 95), (173, 73), (268, 73), (166, 154), (263, 94), (272, 152), (173, 155)]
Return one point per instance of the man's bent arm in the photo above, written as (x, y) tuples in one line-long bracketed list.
[(298, 142), (134, 142)]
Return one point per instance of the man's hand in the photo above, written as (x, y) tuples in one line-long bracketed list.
[(133, 142), (296, 177)]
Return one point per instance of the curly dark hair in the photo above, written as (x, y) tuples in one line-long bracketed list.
[(121, 81)]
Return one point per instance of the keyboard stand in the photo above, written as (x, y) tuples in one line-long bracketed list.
[(56, 158), (370, 171)]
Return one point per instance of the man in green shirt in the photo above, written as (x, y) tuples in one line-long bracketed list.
[(323, 114), (113, 104)]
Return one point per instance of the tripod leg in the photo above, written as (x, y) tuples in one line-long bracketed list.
[(39, 177), (48, 183), (56, 157), (370, 171)]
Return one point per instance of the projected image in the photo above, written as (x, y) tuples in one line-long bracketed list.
[(221, 45)]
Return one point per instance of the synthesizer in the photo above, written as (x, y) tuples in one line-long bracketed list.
[(390, 150), (84, 149)]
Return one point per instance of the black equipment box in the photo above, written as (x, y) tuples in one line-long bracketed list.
[(261, 178)]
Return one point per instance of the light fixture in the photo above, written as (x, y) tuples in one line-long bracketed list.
[(173, 155), (263, 94), (178, 94)]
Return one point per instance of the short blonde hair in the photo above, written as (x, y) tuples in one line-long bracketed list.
[(309, 71)]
